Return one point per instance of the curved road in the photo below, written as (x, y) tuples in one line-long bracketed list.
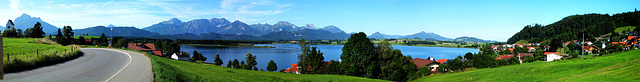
[(97, 65)]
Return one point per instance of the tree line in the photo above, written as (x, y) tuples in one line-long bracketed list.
[(35, 32)]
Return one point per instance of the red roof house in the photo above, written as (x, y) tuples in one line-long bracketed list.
[(142, 46), (293, 69), (504, 57), (442, 61), (157, 53), (422, 62)]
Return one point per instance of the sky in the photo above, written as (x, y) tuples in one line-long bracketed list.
[(485, 19)]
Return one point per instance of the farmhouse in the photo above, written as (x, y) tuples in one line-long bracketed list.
[(424, 62), (551, 56)]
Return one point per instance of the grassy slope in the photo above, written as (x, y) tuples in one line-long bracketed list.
[(620, 66), (624, 28), (172, 70), (26, 47), (23, 53)]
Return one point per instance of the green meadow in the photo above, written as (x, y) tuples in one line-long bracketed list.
[(621, 66), (20, 53)]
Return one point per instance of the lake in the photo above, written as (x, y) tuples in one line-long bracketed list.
[(286, 54)]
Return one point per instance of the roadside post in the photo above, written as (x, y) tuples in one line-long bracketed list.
[(1, 59)]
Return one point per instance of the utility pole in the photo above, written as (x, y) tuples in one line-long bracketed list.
[(582, 45)]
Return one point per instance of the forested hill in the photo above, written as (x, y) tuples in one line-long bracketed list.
[(572, 27)]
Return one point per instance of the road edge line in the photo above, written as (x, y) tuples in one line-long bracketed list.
[(130, 59)]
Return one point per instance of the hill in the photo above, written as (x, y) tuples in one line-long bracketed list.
[(378, 35), (424, 35), (117, 31), (471, 39), (620, 66), (591, 25)]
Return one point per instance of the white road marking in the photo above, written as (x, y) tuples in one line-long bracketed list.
[(130, 59)]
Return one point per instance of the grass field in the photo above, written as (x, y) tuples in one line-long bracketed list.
[(22, 53), (625, 28), (167, 70), (621, 66)]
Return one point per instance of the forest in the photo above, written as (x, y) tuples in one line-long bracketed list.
[(575, 26)]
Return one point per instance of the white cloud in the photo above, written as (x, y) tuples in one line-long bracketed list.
[(106, 4), (249, 10), (14, 5)]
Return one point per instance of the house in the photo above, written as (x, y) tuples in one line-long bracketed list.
[(293, 69), (551, 56), (589, 49), (10, 24), (531, 49), (442, 61), (433, 65), (510, 49), (144, 47), (184, 56), (88, 41), (522, 55), (504, 57), (157, 53)]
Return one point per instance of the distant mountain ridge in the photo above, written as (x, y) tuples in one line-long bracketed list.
[(223, 26), (117, 31)]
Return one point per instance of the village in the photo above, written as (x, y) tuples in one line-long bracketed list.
[(529, 52)]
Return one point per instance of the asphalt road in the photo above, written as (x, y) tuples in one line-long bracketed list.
[(97, 65)]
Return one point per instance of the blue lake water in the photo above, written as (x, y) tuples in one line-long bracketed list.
[(286, 54)]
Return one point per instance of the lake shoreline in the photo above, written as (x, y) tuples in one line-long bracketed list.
[(398, 45), (217, 45)]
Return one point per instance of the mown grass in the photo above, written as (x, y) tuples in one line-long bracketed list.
[(622, 66), (22, 53), (167, 70)]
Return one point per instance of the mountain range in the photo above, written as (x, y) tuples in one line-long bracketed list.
[(25, 21), (427, 36), (221, 28)]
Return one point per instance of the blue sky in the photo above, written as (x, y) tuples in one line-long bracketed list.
[(485, 19)]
